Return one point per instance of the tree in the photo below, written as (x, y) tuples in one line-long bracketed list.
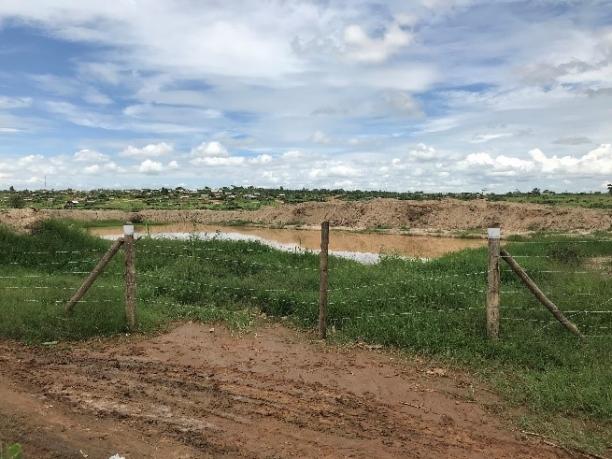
[(610, 188), (16, 201)]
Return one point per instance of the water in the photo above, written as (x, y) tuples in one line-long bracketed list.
[(363, 247)]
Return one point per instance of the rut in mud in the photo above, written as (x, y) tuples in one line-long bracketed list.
[(194, 392)]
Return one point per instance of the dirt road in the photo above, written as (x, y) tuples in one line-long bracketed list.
[(196, 393), (418, 216)]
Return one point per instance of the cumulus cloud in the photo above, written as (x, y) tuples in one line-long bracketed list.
[(150, 167), (498, 165), (211, 149), (92, 169), (261, 159), (423, 152), (152, 150), (594, 163)]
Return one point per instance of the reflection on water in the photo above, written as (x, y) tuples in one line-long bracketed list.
[(364, 247)]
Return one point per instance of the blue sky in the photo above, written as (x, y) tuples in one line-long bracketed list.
[(435, 95)]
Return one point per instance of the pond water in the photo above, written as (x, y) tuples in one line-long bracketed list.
[(364, 247)]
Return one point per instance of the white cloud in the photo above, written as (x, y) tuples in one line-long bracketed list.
[(497, 165), (219, 161), (596, 162), (210, 149), (361, 47), (150, 167), (152, 150), (173, 165), (335, 170), (261, 159), (92, 169), (87, 155), (423, 152)]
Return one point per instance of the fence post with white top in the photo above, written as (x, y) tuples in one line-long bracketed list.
[(130, 275), (493, 283)]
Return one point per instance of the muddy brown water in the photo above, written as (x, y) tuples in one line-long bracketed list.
[(340, 241)]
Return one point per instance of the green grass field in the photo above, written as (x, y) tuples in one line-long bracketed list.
[(435, 308)]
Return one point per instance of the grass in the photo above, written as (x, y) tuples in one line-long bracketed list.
[(434, 308)]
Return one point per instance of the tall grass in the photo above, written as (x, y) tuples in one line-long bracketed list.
[(434, 308)]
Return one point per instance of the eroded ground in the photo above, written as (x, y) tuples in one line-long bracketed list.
[(194, 392)]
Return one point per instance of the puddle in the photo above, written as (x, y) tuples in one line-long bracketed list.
[(363, 247)]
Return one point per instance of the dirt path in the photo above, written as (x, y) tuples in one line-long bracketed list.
[(448, 215), (197, 393)]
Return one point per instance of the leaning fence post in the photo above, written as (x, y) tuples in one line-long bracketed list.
[(94, 275), (323, 284), (493, 281), (130, 275)]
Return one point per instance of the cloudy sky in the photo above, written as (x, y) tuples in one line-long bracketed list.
[(435, 95)]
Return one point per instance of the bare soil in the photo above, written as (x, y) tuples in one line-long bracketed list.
[(418, 216), (197, 392)]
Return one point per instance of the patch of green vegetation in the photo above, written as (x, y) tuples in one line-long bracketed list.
[(252, 198), (432, 308), (12, 451)]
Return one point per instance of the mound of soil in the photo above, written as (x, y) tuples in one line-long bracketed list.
[(419, 216), (200, 392)]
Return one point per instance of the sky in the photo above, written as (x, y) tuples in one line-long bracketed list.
[(401, 95)]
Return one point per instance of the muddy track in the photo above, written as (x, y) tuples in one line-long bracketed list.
[(193, 393)]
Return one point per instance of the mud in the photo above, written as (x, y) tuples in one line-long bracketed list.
[(416, 216), (343, 242), (202, 392)]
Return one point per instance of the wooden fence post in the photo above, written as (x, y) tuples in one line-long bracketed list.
[(531, 285), (130, 275), (493, 281), (323, 285), (94, 275)]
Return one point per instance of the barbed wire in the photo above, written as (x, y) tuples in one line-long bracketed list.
[(54, 274), (410, 283), (54, 287)]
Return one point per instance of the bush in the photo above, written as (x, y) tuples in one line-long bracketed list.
[(16, 201)]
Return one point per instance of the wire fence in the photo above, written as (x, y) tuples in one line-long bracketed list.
[(395, 295)]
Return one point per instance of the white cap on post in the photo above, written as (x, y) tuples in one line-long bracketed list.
[(494, 233), (128, 229)]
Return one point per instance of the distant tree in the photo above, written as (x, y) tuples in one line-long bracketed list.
[(535, 191), (610, 188), (16, 201), (12, 189)]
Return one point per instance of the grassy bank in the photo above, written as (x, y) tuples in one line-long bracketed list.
[(434, 308)]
